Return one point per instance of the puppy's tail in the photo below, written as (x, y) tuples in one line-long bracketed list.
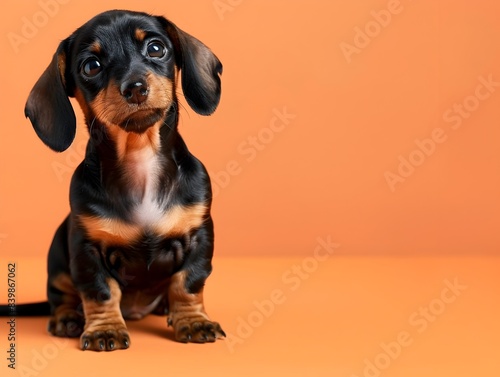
[(36, 309)]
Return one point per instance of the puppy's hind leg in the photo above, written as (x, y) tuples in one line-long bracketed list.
[(66, 308)]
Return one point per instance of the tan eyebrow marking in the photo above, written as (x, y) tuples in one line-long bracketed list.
[(95, 47), (140, 34)]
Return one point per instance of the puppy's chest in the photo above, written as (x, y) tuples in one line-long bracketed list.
[(151, 211)]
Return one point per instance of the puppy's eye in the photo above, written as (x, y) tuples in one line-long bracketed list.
[(91, 67), (156, 49)]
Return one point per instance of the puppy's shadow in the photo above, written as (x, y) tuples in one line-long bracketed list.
[(152, 324)]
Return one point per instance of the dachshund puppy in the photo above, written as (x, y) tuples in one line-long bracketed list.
[(139, 238)]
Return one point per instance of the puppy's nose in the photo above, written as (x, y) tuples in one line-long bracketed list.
[(135, 91)]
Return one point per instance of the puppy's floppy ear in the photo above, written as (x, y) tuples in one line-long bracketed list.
[(48, 106), (200, 69)]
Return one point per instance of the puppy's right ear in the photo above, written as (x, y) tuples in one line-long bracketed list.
[(48, 106), (201, 69)]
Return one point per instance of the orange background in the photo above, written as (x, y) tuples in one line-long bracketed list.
[(324, 174)]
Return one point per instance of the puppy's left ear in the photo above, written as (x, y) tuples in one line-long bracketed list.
[(201, 69), (48, 106)]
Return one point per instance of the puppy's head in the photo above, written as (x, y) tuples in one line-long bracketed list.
[(121, 66)]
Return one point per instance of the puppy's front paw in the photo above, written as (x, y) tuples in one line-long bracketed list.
[(105, 339), (197, 330)]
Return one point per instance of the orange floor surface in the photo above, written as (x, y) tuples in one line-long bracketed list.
[(337, 316)]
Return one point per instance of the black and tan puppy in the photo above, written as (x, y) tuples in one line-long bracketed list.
[(139, 238)]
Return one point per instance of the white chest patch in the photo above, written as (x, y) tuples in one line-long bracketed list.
[(148, 212), (143, 167)]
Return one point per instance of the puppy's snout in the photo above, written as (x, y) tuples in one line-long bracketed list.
[(135, 91)]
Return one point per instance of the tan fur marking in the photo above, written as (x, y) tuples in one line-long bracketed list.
[(127, 142), (66, 320), (101, 316), (64, 283), (109, 106), (176, 221), (187, 313), (105, 328), (182, 303), (95, 47), (179, 220), (66, 310), (83, 103), (140, 34), (109, 231)]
